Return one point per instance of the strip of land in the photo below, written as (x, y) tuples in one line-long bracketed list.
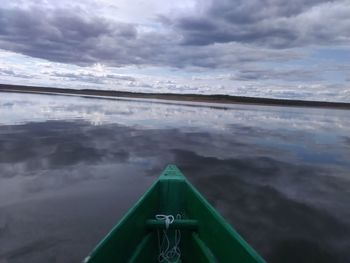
[(226, 99)]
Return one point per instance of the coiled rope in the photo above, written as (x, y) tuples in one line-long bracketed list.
[(168, 254)]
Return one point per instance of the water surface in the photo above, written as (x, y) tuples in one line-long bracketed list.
[(70, 167)]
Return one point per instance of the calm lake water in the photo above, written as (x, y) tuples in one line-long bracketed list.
[(70, 167)]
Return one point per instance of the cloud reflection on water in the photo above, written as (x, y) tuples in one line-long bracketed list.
[(249, 161)]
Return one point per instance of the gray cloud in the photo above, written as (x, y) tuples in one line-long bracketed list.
[(76, 37), (90, 77), (63, 35), (273, 74), (12, 73), (276, 24), (247, 12), (249, 39)]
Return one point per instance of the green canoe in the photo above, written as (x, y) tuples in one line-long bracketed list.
[(172, 222)]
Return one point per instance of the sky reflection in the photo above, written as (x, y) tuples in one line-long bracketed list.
[(279, 175)]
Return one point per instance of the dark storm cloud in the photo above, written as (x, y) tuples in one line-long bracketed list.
[(276, 23)]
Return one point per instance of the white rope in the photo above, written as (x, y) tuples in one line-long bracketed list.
[(169, 219), (168, 254)]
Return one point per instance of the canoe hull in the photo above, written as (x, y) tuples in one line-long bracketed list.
[(205, 235)]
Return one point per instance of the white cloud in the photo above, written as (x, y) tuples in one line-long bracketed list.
[(190, 46)]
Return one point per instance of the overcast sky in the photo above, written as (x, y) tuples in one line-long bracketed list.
[(296, 49)]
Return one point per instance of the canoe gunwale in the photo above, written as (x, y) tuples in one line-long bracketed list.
[(210, 237)]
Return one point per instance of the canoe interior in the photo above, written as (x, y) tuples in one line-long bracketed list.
[(205, 235)]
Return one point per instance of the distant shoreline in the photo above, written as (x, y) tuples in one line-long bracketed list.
[(222, 99)]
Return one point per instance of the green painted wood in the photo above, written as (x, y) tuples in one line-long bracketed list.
[(182, 224), (199, 252), (120, 244), (224, 242), (134, 238), (172, 191), (145, 250)]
